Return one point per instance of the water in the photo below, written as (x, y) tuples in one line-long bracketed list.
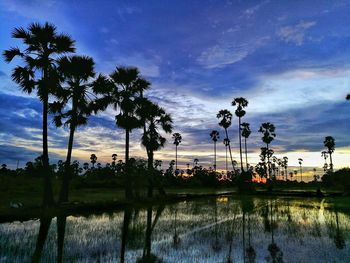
[(207, 230)]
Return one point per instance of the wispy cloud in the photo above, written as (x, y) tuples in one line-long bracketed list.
[(296, 33)]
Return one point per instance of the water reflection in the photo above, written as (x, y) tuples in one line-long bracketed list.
[(213, 230)]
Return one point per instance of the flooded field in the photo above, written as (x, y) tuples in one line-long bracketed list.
[(224, 229)]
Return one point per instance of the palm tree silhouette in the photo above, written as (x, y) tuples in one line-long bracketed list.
[(241, 103), (75, 72), (42, 46), (177, 140), (93, 159), (301, 170), (225, 122), (268, 131), (245, 134), (285, 166), (154, 118), (329, 143), (226, 143), (214, 136)]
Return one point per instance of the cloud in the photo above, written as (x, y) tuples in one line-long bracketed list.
[(295, 34)]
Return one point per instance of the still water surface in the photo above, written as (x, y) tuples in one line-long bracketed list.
[(224, 229)]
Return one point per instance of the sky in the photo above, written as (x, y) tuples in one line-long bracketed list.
[(289, 59)]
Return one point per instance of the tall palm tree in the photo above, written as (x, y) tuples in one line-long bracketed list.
[(42, 47), (245, 134), (301, 169), (154, 118), (177, 140), (329, 143), (93, 160), (226, 143), (76, 71), (268, 131), (285, 165), (225, 122), (240, 112), (214, 136)]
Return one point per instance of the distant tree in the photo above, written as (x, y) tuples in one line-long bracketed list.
[(240, 112), (86, 166), (3, 167), (93, 159), (329, 143), (225, 122), (301, 170), (268, 131), (348, 97), (177, 140), (245, 134), (43, 45), (214, 136)]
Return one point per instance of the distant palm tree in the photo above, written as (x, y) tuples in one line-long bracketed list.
[(241, 103), (154, 118), (329, 143), (177, 140), (285, 166), (245, 134), (226, 143), (43, 46), (301, 170), (225, 122), (214, 136), (268, 131), (93, 159), (75, 72)]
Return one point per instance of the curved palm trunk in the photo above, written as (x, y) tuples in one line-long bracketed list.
[(229, 149), (47, 191), (67, 173), (240, 143)]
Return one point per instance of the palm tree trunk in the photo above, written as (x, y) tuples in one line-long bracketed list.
[(150, 173), (128, 190), (301, 174), (47, 191), (331, 162), (175, 158), (240, 143), (125, 230), (45, 223), (215, 156), (246, 152), (226, 160), (61, 228), (229, 149), (67, 171)]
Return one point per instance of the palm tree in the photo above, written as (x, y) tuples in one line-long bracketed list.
[(285, 165), (268, 131), (329, 143), (154, 118), (43, 45), (177, 140), (75, 72), (225, 122), (245, 134), (301, 170), (241, 103), (226, 143), (214, 136), (93, 159)]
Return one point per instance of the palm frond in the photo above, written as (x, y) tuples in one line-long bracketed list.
[(11, 53)]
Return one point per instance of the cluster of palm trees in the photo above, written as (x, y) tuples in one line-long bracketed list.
[(50, 69)]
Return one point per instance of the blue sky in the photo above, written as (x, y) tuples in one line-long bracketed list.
[(290, 59)]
